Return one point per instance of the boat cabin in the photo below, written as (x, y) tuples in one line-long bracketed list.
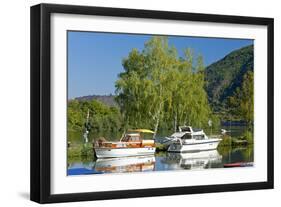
[(190, 136), (189, 129), (191, 133), (131, 137)]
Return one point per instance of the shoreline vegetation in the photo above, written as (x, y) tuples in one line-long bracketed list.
[(81, 152), (160, 90), (85, 151)]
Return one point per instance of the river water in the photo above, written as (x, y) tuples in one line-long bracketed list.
[(164, 161)]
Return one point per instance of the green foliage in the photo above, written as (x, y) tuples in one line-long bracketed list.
[(248, 136), (87, 151), (158, 88), (241, 104), (102, 118), (225, 76), (82, 151), (226, 141)]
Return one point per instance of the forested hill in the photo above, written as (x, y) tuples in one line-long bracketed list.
[(105, 99), (225, 76)]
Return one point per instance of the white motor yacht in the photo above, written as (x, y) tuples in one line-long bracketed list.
[(188, 139)]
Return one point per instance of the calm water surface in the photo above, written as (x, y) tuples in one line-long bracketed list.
[(164, 161)]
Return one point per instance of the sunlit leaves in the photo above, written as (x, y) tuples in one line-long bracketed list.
[(159, 85)]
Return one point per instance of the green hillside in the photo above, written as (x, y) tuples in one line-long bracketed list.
[(224, 77)]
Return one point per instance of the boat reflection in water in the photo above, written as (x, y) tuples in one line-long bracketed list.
[(125, 164), (192, 160)]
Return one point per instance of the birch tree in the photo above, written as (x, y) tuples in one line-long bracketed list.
[(158, 85)]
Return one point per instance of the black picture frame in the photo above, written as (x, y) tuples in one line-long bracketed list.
[(41, 98)]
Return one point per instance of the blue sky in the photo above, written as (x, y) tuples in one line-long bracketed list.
[(95, 59)]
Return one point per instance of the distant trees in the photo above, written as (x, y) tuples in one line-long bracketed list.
[(241, 104), (102, 118), (159, 85), (224, 76)]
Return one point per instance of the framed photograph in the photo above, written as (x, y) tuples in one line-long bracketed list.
[(133, 103)]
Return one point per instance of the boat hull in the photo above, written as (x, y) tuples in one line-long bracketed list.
[(198, 145), (123, 152)]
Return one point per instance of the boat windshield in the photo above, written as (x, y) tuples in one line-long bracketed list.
[(186, 136), (131, 138)]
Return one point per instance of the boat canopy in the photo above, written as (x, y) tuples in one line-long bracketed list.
[(141, 131)]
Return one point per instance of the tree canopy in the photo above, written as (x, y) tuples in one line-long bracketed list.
[(159, 85), (241, 104)]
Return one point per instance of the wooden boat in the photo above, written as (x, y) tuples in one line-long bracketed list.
[(131, 144)]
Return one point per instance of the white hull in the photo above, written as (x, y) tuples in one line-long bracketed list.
[(194, 145), (123, 152)]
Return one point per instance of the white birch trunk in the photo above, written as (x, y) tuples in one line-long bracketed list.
[(175, 122)]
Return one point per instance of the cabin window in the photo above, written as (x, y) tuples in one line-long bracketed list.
[(199, 137), (126, 138), (131, 138), (187, 136), (134, 139)]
